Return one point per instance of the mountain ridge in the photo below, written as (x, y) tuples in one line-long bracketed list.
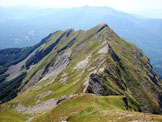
[(145, 33), (80, 66)]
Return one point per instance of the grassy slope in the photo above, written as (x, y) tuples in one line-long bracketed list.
[(88, 108), (84, 108), (43, 64), (136, 78)]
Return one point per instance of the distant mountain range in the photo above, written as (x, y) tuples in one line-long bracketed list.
[(21, 30)]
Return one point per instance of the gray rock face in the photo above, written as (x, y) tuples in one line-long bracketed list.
[(58, 65), (44, 94), (78, 48), (83, 63), (15, 70), (36, 77), (37, 108), (55, 68), (152, 76), (105, 49), (96, 85)]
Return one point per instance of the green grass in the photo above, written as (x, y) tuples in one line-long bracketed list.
[(87, 108), (12, 116), (80, 107), (9, 114)]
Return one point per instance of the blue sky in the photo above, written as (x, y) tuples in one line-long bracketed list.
[(151, 7)]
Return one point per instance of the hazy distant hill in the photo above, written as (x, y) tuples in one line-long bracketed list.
[(21, 30)]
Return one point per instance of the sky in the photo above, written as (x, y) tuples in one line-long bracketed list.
[(137, 6)]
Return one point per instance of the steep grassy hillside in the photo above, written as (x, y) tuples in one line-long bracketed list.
[(71, 65)]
